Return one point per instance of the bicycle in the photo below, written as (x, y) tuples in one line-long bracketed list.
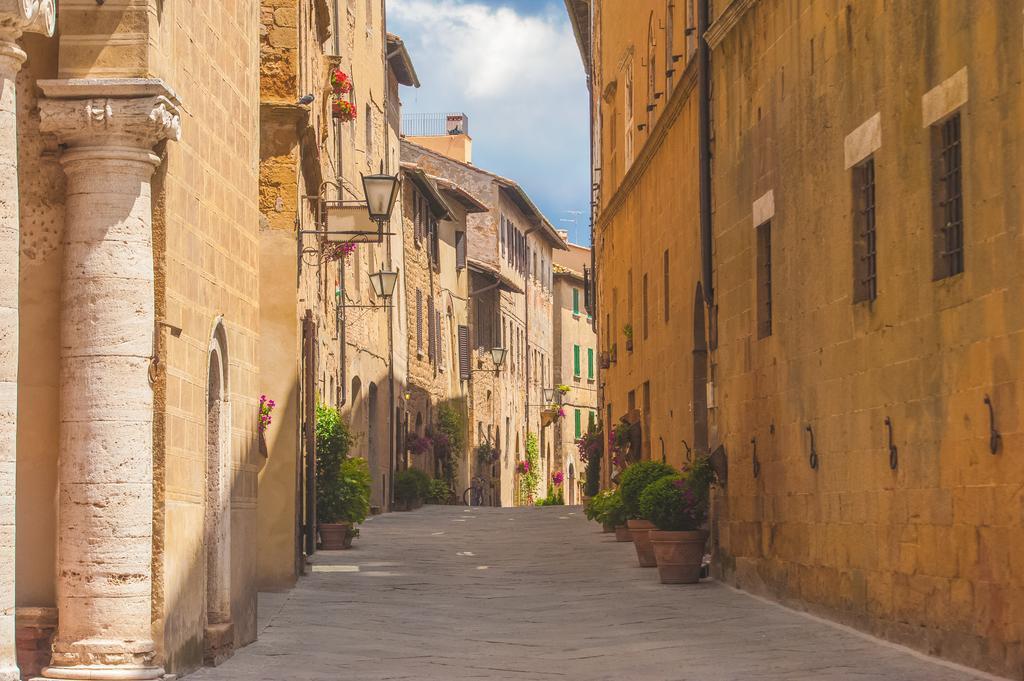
[(475, 494)]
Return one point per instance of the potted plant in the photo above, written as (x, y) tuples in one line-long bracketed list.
[(627, 331), (342, 483), (678, 507), (412, 486), (635, 480)]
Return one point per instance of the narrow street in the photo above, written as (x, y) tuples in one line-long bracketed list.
[(535, 593)]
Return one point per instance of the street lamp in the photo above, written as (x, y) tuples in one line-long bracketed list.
[(549, 395), (381, 191), (383, 283), (498, 355)]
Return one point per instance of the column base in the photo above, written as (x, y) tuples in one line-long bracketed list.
[(100, 673), (218, 643), (9, 673)]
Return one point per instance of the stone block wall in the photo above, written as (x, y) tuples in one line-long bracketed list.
[(206, 223), (926, 554)]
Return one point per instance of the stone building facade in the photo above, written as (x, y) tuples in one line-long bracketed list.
[(502, 245), (861, 337), (642, 70), (894, 318), (437, 308), (325, 334), (136, 442), (575, 363)]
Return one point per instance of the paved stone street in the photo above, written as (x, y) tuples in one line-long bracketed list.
[(452, 593)]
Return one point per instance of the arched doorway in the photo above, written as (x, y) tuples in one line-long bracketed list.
[(372, 445), (218, 636), (700, 376)]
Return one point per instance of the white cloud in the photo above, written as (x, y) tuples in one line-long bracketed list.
[(519, 77)]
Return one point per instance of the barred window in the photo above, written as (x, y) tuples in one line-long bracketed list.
[(865, 244), (764, 280), (949, 202)]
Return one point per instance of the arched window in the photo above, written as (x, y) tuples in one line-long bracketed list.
[(652, 68)]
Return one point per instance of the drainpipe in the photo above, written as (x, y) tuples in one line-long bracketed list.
[(704, 96)]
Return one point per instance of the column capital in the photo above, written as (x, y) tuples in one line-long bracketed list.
[(104, 112), (34, 16)]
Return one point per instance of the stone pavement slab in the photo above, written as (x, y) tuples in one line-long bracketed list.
[(538, 593)]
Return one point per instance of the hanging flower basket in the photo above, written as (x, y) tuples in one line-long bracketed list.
[(343, 110), (340, 82)]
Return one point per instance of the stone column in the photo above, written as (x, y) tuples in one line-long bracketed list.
[(16, 16), (105, 542)]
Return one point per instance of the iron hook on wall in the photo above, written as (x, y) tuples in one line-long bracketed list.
[(689, 452), (994, 436), (893, 452), (754, 460), (813, 459), (662, 440)]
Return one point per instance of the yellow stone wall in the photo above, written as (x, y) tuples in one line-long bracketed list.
[(206, 224), (928, 554), (647, 207)]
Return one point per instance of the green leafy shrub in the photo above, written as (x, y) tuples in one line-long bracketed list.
[(355, 490), (555, 497), (411, 485), (636, 478), (530, 480), (336, 488), (438, 492), (449, 438), (680, 502)]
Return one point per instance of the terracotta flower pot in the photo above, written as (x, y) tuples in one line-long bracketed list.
[(679, 555), (607, 527), (622, 533), (640, 530), (335, 536)]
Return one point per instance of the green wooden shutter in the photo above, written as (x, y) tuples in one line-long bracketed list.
[(579, 422), (575, 360), (576, 301), (590, 363)]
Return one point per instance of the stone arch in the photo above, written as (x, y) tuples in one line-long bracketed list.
[(700, 375), (219, 631)]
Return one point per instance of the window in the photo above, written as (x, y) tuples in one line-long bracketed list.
[(460, 250), (949, 200), (504, 246), (576, 361), (576, 301), (419, 320), (652, 68), (643, 305), (590, 363), (431, 331), (629, 297), (865, 260), (629, 114), (592, 421), (579, 424), (369, 134), (764, 280), (670, 70), (664, 276)]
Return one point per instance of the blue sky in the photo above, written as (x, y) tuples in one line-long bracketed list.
[(514, 68)]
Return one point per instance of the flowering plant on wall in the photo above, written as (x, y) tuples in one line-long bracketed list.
[(522, 467), (557, 477), (342, 109), (340, 82), (334, 250), (266, 407)]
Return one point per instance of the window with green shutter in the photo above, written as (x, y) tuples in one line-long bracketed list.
[(576, 301), (590, 363), (576, 360), (579, 423)]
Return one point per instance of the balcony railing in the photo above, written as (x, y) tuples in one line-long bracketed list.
[(435, 124)]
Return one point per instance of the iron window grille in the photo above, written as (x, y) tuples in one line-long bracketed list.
[(764, 280), (949, 232), (865, 252)]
